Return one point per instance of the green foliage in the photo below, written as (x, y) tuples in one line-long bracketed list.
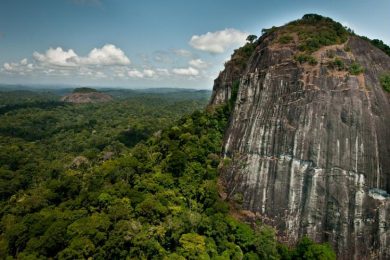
[(385, 82), (146, 200), (305, 58), (337, 64), (355, 68), (25, 98), (240, 57), (379, 44), (40, 143), (238, 198), (234, 93), (266, 31), (79, 248), (193, 246), (307, 249), (134, 134), (47, 104), (177, 162), (285, 39), (156, 200), (315, 31), (251, 38), (84, 90)]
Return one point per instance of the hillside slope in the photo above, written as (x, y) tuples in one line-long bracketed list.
[(86, 95)]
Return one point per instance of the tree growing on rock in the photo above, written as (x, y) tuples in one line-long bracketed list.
[(251, 38)]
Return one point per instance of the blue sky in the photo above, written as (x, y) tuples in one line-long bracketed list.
[(150, 43)]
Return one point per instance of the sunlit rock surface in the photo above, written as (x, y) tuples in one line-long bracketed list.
[(310, 145)]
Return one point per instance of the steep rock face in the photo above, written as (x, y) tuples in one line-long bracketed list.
[(310, 145), (234, 68)]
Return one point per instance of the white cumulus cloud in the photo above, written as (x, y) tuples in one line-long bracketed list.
[(24, 61), (7, 67), (109, 54), (149, 73), (135, 74), (146, 73), (57, 57), (186, 71), (100, 75), (219, 41), (182, 52), (163, 72), (198, 63), (21, 67)]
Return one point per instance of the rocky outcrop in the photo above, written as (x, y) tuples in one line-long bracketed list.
[(310, 144), (88, 97), (234, 68)]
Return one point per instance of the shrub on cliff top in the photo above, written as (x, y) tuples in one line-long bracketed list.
[(379, 44), (251, 38), (315, 31)]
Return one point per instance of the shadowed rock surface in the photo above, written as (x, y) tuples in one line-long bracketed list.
[(310, 144)]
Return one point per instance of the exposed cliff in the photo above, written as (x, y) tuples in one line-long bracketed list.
[(309, 137), (86, 95), (232, 73)]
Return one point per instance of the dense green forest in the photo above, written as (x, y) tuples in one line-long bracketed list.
[(40, 135), (135, 178)]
